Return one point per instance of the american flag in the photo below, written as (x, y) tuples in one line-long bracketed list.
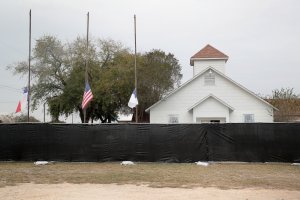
[(87, 96)]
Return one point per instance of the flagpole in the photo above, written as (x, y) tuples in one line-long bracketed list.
[(135, 82), (86, 61), (29, 59)]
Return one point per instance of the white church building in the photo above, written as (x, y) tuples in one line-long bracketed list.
[(210, 96)]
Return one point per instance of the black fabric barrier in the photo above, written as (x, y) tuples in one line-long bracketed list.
[(257, 142)]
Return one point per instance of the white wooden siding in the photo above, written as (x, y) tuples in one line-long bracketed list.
[(200, 65), (211, 108), (179, 102)]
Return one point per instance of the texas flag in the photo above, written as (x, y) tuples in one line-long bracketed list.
[(133, 101), (23, 102)]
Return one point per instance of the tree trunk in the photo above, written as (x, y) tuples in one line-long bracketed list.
[(80, 113)]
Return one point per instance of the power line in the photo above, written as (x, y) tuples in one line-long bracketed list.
[(8, 102), (12, 48), (9, 87)]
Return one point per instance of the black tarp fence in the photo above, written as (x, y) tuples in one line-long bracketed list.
[(253, 142)]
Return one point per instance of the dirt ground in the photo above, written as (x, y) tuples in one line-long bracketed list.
[(74, 181), (68, 191)]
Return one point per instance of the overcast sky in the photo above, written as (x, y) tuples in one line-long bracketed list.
[(261, 37)]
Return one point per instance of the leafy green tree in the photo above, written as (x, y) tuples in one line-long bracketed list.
[(102, 77), (113, 87), (58, 72), (49, 69), (158, 74)]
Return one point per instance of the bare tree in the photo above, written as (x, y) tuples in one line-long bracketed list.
[(288, 103)]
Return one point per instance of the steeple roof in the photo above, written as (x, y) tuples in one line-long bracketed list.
[(208, 52)]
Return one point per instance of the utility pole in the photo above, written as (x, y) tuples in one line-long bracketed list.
[(29, 59), (86, 61), (135, 82), (44, 112)]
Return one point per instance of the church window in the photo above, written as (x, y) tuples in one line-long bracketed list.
[(248, 118), (173, 119), (209, 78)]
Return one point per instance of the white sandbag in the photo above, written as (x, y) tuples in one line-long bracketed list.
[(127, 163), (41, 162), (202, 163), (297, 164)]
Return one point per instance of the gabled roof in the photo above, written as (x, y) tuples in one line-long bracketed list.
[(208, 52), (211, 96), (221, 74)]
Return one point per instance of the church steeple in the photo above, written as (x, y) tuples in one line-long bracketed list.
[(208, 57)]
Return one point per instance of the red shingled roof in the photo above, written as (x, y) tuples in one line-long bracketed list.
[(209, 52)]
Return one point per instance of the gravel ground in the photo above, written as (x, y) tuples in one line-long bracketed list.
[(72, 181), (68, 191)]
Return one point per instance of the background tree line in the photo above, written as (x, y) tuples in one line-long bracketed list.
[(58, 77), (288, 104)]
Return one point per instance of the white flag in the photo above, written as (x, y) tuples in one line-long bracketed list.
[(133, 101)]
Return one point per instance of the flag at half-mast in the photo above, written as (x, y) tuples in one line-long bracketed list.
[(87, 96), (133, 101), (22, 103)]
